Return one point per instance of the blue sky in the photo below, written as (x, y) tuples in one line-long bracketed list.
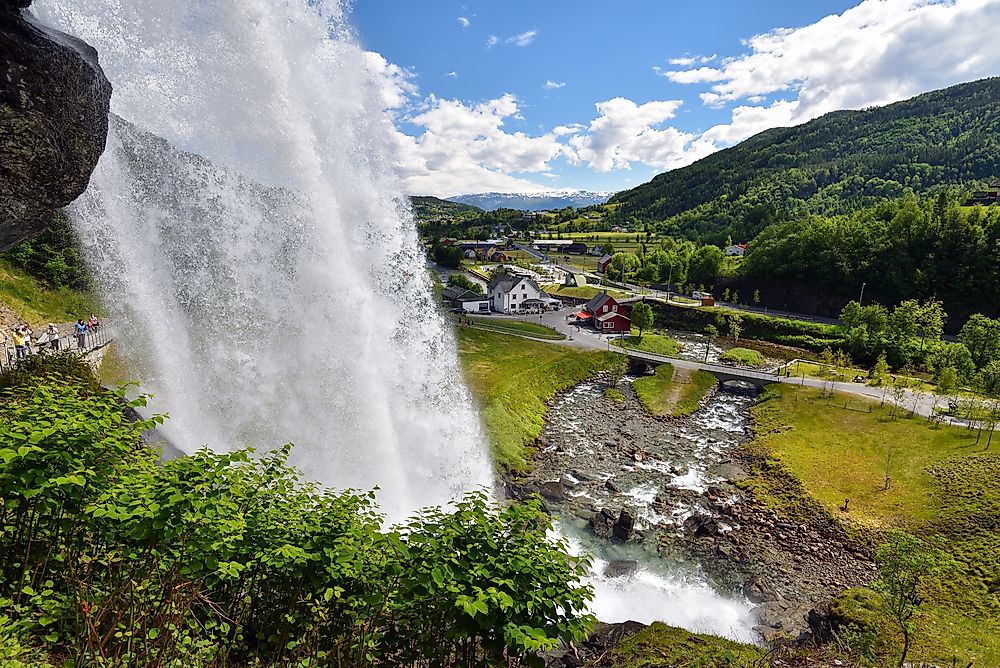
[(518, 96)]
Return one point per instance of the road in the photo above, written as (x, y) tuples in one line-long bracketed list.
[(921, 403)]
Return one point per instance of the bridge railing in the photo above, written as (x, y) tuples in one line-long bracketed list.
[(81, 343), (708, 366)]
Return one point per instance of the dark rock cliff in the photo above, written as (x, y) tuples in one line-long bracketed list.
[(54, 101)]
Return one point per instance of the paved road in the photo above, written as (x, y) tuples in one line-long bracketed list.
[(922, 403)]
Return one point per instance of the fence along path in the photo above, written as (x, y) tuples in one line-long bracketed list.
[(82, 343)]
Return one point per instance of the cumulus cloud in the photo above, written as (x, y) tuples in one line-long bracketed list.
[(625, 132), (492, 41), (465, 148), (464, 22), (453, 74), (395, 83), (552, 85), (878, 52)]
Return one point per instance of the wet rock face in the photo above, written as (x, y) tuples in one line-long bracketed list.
[(54, 101)]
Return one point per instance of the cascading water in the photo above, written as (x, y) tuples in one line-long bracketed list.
[(261, 269)]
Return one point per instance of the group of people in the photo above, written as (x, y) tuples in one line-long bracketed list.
[(50, 337)]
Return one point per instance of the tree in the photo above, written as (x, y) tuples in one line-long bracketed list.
[(704, 264), (930, 321), (463, 281), (642, 317), (981, 335), (711, 333), (735, 324), (881, 370), (756, 297), (905, 565)]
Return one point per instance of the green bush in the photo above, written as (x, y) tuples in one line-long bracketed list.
[(116, 560)]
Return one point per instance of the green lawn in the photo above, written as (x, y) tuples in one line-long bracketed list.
[(512, 378), (38, 304), (743, 357), (944, 487), (516, 327), (673, 392), (650, 343)]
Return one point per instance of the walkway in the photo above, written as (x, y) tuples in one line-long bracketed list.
[(92, 340)]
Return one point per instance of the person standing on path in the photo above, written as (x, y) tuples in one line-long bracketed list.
[(81, 334), (18, 335), (53, 333), (27, 340)]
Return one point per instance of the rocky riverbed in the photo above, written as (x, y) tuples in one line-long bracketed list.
[(655, 497)]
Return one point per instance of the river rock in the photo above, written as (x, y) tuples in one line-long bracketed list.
[(701, 526), (552, 490), (621, 568), (54, 101), (624, 527)]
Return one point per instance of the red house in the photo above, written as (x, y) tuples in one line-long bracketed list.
[(606, 315)]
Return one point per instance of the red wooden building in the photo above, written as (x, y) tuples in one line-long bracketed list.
[(606, 315)]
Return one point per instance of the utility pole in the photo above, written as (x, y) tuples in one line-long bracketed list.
[(670, 277), (862, 296)]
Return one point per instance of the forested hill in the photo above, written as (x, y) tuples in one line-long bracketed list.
[(430, 208), (836, 163)]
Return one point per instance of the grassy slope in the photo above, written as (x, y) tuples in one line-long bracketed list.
[(583, 292), (651, 343), (512, 377), (944, 487), (662, 645), (671, 393), (38, 304), (743, 357), (516, 327)]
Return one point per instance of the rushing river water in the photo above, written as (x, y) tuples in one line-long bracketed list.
[(614, 457)]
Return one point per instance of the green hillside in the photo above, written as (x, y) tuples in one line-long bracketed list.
[(834, 164), (431, 208)]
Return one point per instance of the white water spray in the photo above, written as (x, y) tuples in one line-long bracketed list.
[(260, 266)]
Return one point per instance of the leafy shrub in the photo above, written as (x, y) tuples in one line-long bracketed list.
[(116, 560)]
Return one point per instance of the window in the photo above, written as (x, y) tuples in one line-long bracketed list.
[(524, 295), (615, 308), (605, 309)]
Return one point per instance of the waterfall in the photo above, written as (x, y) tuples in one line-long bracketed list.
[(255, 252)]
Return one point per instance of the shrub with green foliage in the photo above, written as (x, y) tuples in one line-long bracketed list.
[(114, 559), (53, 257)]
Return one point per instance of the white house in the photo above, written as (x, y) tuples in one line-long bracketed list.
[(509, 294), (736, 250)]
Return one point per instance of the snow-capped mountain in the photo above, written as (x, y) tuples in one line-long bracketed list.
[(557, 199)]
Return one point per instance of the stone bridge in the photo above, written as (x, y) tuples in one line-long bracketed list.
[(641, 360)]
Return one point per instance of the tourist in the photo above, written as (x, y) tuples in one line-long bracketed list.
[(18, 335), (27, 340), (93, 323), (81, 334), (53, 333)]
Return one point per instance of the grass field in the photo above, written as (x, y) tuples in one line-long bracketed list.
[(650, 343), (38, 304), (674, 392), (943, 486), (512, 378), (743, 357), (516, 327)]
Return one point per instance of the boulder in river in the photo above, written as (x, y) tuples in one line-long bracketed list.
[(701, 526), (621, 568)]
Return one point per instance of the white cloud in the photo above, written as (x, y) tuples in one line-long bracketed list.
[(464, 22), (523, 39), (492, 41), (395, 83), (552, 85), (464, 148), (625, 132), (699, 75), (453, 74), (878, 52), (688, 61)]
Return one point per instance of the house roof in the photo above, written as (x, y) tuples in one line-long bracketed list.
[(453, 292), (506, 282), (612, 314), (471, 296), (604, 258), (597, 301)]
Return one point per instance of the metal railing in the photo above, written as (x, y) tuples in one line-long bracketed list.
[(707, 366), (80, 343)]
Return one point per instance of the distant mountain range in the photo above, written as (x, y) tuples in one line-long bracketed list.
[(533, 201), (837, 163)]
